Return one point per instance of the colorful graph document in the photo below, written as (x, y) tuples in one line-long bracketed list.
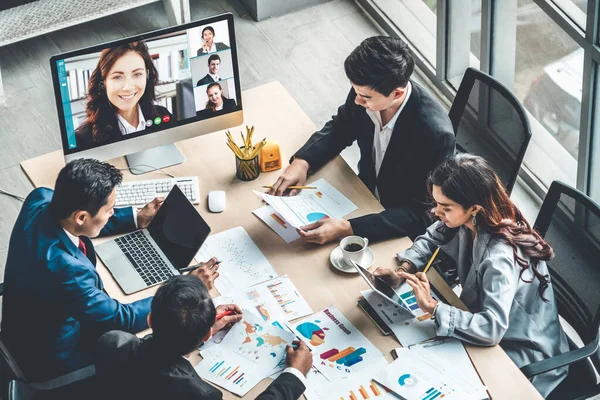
[(249, 353), (421, 375), (360, 387), (339, 349), (276, 222), (218, 337), (309, 206), (407, 329), (242, 262)]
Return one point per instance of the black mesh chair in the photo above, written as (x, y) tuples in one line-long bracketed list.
[(490, 122), (570, 222)]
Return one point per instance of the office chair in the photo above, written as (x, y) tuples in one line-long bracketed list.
[(76, 384), (490, 122), (570, 222)]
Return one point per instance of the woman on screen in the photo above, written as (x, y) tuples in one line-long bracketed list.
[(120, 96), (208, 43), (216, 100), (501, 265)]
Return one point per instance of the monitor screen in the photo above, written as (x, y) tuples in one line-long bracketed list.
[(143, 86)]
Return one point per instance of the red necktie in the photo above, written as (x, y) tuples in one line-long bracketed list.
[(82, 247)]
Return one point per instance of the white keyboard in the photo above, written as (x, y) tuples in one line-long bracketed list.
[(140, 193)]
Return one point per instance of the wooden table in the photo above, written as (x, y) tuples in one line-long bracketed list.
[(276, 115)]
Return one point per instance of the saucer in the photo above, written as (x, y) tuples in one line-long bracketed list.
[(337, 260)]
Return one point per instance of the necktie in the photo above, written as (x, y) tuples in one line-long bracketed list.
[(82, 247)]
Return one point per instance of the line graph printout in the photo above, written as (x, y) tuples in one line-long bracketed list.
[(242, 262)]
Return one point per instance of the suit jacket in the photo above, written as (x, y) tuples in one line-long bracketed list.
[(206, 80), (504, 307), (54, 306), (219, 45), (422, 138), (110, 129), (129, 367), (228, 105)]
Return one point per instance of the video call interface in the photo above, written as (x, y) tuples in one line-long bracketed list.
[(145, 86)]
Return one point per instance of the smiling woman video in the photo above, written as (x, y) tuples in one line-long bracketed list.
[(120, 96)]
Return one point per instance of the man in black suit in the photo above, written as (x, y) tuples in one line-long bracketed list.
[(402, 133), (214, 64), (157, 366)]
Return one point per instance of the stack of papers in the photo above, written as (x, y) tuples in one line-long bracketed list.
[(249, 353), (285, 214)]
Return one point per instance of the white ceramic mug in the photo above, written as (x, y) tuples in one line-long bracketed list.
[(356, 255)]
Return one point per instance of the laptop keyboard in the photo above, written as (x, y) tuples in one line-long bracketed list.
[(146, 261)]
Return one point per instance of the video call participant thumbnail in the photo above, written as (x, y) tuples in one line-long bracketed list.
[(121, 96), (216, 101), (214, 65), (208, 43)]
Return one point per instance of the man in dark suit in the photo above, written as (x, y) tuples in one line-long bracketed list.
[(214, 64), (402, 133), (55, 307), (157, 366)]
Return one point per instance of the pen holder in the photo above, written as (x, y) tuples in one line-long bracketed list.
[(247, 170)]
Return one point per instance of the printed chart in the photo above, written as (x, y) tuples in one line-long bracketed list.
[(242, 262), (339, 349), (360, 387)]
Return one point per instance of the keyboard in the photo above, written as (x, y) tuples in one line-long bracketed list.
[(146, 261), (140, 193)]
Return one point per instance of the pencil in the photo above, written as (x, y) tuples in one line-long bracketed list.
[(224, 313), (435, 253), (293, 187), (196, 266)]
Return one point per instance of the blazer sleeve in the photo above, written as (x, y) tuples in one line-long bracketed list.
[(407, 220), (84, 301), (335, 136), (122, 221), (499, 283), (285, 387), (423, 247)]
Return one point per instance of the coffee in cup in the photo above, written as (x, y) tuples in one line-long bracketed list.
[(353, 248)]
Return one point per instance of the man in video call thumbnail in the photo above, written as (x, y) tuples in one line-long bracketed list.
[(214, 64)]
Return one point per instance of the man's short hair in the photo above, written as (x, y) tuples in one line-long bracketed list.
[(83, 185), (213, 57), (380, 62), (182, 314)]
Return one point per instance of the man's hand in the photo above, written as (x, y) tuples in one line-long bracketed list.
[(228, 319), (325, 230), (301, 358), (207, 272), (145, 215), (421, 289), (295, 174), (388, 275)]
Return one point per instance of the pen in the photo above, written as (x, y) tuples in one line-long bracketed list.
[(293, 187), (435, 253), (224, 313), (193, 267)]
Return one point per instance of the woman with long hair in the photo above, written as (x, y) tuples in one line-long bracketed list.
[(501, 264), (216, 100), (120, 96)]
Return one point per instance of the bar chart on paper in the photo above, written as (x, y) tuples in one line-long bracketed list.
[(229, 373), (410, 301)]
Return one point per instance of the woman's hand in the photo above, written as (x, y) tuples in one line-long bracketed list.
[(420, 285), (389, 276)]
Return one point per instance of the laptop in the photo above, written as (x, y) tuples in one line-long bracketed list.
[(150, 256)]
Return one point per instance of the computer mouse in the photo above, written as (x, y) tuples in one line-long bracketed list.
[(216, 201)]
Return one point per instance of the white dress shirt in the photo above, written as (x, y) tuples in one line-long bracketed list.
[(126, 128), (73, 238), (214, 77), (383, 134)]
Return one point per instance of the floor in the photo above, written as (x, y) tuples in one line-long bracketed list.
[(304, 50)]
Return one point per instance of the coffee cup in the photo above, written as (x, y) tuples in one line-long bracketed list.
[(353, 249)]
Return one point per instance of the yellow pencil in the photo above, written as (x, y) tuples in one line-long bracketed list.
[(435, 253), (293, 187)]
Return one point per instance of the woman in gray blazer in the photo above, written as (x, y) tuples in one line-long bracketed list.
[(501, 265)]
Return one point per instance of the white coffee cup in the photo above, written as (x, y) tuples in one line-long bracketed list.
[(354, 255)]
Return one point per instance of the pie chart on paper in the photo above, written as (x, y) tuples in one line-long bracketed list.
[(315, 216), (407, 380)]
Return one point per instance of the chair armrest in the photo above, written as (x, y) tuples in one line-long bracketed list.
[(560, 360), (79, 375), (1, 288)]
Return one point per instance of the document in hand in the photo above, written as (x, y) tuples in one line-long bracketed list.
[(420, 373), (310, 205), (248, 354)]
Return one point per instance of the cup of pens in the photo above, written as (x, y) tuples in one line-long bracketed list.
[(247, 167)]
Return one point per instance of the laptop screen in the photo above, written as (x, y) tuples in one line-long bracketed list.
[(178, 229)]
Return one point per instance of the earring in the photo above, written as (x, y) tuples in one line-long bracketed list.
[(101, 88), (474, 220)]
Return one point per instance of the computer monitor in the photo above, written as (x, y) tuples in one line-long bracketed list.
[(137, 96)]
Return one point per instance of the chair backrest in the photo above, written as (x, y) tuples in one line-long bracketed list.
[(78, 384), (489, 121), (570, 222)]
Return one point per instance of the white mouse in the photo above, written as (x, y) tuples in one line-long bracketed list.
[(216, 201)]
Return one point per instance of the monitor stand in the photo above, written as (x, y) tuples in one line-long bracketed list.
[(154, 158)]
